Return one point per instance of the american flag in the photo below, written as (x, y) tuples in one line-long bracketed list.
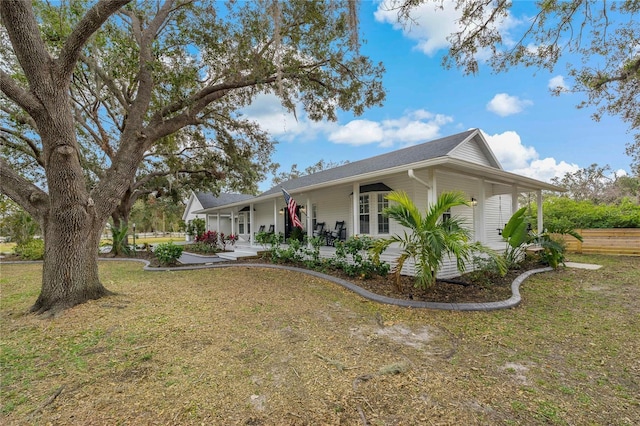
[(292, 207)]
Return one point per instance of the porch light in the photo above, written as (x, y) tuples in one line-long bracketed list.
[(281, 212), (474, 202)]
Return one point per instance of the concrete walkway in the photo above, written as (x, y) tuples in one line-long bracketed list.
[(589, 266), (192, 258)]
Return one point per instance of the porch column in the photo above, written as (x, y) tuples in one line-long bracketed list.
[(514, 199), (250, 224), (432, 191), (540, 219), (218, 222), (275, 215), (478, 213), (308, 215), (356, 209), (232, 222)]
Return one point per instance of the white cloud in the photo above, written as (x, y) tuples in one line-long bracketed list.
[(504, 104), (415, 126), (510, 151), (547, 168), (267, 110), (358, 132), (431, 24), (557, 84), (525, 160)]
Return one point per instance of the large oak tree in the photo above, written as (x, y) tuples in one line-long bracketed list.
[(162, 67)]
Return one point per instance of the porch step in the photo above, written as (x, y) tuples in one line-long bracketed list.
[(238, 254)]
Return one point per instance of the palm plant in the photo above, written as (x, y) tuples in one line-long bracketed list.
[(518, 237), (431, 237)]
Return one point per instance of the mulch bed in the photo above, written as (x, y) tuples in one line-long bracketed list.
[(467, 290)]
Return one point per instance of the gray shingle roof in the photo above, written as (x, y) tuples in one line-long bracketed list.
[(413, 154), (208, 200)]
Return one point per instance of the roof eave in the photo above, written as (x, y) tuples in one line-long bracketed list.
[(509, 177), (478, 170)]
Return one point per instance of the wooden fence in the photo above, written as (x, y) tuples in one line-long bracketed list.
[(623, 241)]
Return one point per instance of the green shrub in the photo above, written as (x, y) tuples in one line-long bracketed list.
[(30, 250), (168, 253), (195, 227), (567, 213)]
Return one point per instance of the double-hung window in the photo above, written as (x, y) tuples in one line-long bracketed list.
[(383, 221), (371, 206), (365, 218)]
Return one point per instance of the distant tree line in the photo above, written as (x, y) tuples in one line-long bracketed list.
[(595, 198)]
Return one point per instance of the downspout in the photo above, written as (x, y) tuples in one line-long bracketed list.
[(413, 176)]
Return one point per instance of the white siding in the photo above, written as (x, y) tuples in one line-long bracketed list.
[(192, 205), (497, 214), (334, 205), (470, 151), (449, 182)]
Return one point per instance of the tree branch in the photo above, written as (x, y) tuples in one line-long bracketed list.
[(17, 94), (631, 70), (89, 24), (109, 82), (31, 198), (24, 33), (35, 151)]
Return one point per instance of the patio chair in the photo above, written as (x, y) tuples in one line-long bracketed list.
[(318, 231), (271, 229), (261, 229), (339, 233)]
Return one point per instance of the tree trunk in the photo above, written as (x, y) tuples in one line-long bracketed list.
[(70, 271), (71, 223)]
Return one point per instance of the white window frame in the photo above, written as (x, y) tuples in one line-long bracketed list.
[(373, 213)]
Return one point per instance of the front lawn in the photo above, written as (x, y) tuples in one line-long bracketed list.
[(262, 346)]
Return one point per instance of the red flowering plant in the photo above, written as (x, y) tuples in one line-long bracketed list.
[(232, 239), (209, 237)]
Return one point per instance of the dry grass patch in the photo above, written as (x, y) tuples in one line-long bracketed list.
[(264, 346)]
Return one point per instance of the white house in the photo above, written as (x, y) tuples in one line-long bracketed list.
[(201, 202), (355, 192)]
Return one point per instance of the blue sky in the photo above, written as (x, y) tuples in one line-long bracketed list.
[(532, 132)]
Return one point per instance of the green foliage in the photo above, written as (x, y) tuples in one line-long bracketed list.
[(157, 214), (296, 234), (203, 248), (562, 212), (16, 223), (351, 256), (516, 234), (431, 238), (485, 270), (30, 250), (553, 250), (267, 238), (168, 253), (518, 237), (195, 227), (119, 240)]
